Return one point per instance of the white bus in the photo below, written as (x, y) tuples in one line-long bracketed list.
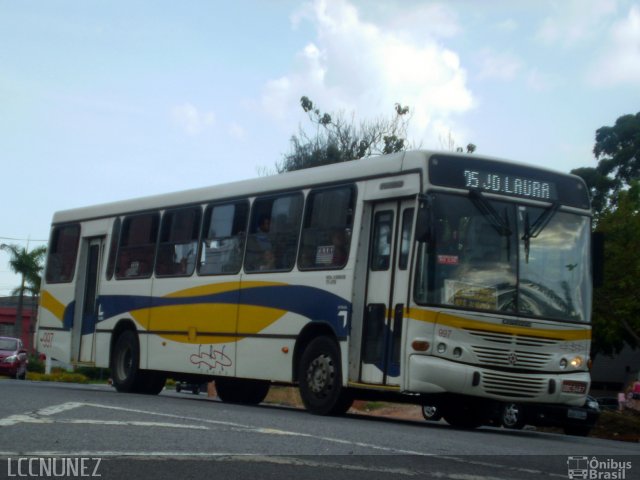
[(426, 277)]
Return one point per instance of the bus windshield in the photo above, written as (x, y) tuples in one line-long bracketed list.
[(505, 257)]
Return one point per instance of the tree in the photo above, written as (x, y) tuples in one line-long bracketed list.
[(617, 150), (616, 312), (614, 185), (338, 140), (28, 265)]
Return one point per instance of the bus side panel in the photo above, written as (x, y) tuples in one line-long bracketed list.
[(273, 313), (123, 301), (55, 321), (193, 324)]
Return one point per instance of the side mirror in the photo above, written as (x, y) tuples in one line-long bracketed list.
[(423, 220), (597, 258)]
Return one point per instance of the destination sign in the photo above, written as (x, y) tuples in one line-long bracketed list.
[(509, 184), (470, 172)]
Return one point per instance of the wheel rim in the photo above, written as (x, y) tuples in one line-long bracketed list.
[(125, 361), (320, 375), (510, 415), (429, 410)]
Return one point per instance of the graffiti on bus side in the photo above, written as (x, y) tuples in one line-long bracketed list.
[(211, 358)]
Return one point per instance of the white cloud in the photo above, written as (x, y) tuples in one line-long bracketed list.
[(191, 120), (236, 131), (432, 19), (575, 22), (358, 66), (508, 25), (619, 62), (498, 66), (541, 82)]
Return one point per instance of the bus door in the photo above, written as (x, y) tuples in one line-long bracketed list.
[(386, 292), (86, 312)]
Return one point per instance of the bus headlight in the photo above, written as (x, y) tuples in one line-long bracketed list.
[(442, 348), (576, 362)]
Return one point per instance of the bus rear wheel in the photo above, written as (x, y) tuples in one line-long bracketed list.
[(125, 368), (125, 362), (149, 383), (320, 378), (242, 390)]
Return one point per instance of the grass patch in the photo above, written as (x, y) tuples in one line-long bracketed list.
[(58, 376), (624, 425)]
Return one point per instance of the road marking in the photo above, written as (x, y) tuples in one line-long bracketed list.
[(133, 423), (42, 416), (55, 409)]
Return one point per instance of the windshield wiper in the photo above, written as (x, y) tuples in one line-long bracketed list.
[(495, 220), (532, 231)]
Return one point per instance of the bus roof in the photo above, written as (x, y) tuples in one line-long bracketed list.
[(368, 167)]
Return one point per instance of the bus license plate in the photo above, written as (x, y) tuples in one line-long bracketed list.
[(577, 414)]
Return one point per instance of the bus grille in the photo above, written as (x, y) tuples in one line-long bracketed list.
[(512, 350), (513, 386), (513, 339), (502, 357)]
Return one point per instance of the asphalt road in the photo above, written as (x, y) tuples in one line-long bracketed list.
[(180, 435)]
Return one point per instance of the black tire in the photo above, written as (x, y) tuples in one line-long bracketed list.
[(431, 413), (241, 390), (125, 368), (125, 362), (320, 378), (149, 383), (462, 415), (512, 416)]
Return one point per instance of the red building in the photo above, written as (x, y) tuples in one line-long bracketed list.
[(8, 312)]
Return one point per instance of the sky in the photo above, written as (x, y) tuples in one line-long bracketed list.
[(104, 101)]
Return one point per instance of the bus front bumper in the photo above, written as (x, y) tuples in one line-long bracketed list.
[(432, 375)]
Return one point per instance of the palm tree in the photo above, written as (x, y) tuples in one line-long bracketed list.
[(28, 265)]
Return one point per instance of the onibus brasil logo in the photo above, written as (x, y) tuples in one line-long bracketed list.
[(597, 469)]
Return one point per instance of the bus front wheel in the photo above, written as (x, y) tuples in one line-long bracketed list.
[(460, 414), (320, 377)]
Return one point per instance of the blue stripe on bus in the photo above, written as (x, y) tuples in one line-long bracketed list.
[(313, 303)]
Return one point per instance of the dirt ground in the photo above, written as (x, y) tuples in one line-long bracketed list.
[(391, 410), (623, 426)]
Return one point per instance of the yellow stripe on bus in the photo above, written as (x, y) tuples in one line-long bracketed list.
[(206, 317), (431, 316), (212, 289), (49, 302)]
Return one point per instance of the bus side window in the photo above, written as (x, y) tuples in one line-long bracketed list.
[(178, 242), (223, 238), (63, 250), (113, 247), (137, 246), (326, 234), (273, 237)]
